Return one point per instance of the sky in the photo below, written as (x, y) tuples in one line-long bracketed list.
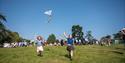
[(102, 17)]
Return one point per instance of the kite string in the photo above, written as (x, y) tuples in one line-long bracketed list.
[(49, 18)]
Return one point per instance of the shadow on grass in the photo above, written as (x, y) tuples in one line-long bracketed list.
[(123, 59), (117, 52), (67, 56), (120, 48)]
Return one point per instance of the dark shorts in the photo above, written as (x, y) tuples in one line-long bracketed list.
[(69, 48)]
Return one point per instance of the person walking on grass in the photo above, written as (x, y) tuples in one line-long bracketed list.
[(70, 45), (39, 44)]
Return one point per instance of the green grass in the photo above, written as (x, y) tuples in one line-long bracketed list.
[(58, 54)]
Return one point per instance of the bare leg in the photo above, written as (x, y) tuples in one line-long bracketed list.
[(71, 54)]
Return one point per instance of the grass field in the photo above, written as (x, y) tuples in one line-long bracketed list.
[(58, 54)]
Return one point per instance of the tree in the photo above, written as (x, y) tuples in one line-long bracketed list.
[(77, 32), (51, 38), (106, 40), (108, 36), (2, 19), (3, 31), (10, 37), (89, 36), (7, 35), (14, 37), (117, 35)]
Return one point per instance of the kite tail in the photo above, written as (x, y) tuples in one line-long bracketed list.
[(49, 19)]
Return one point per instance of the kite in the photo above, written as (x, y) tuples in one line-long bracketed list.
[(49, 14)]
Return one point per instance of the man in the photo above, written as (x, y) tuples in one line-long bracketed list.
[(123, 35), (39, 44), (70, 45)]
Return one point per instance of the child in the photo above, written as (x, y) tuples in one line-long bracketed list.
[(70, 45), (39, 44)]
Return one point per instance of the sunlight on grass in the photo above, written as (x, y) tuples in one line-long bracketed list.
[(57, 54)]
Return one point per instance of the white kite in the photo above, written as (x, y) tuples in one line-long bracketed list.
[(49, 14)]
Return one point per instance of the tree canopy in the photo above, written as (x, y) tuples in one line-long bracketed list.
[(51, 38), (7, 35), (77, 32)]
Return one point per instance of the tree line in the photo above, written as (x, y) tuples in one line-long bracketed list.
[(78, 34), (9, 36)]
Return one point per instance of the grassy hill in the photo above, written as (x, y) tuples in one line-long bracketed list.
[(58, 54)]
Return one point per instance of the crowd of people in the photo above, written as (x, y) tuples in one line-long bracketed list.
[(17, 44)]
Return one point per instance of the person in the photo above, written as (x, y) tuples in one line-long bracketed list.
[(39, 44), (70, 45), (123, 35), (62, 42)]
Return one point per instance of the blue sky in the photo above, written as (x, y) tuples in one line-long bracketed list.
[(27, 17)]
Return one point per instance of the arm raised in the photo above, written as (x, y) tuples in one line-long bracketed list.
[(65, 35)]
